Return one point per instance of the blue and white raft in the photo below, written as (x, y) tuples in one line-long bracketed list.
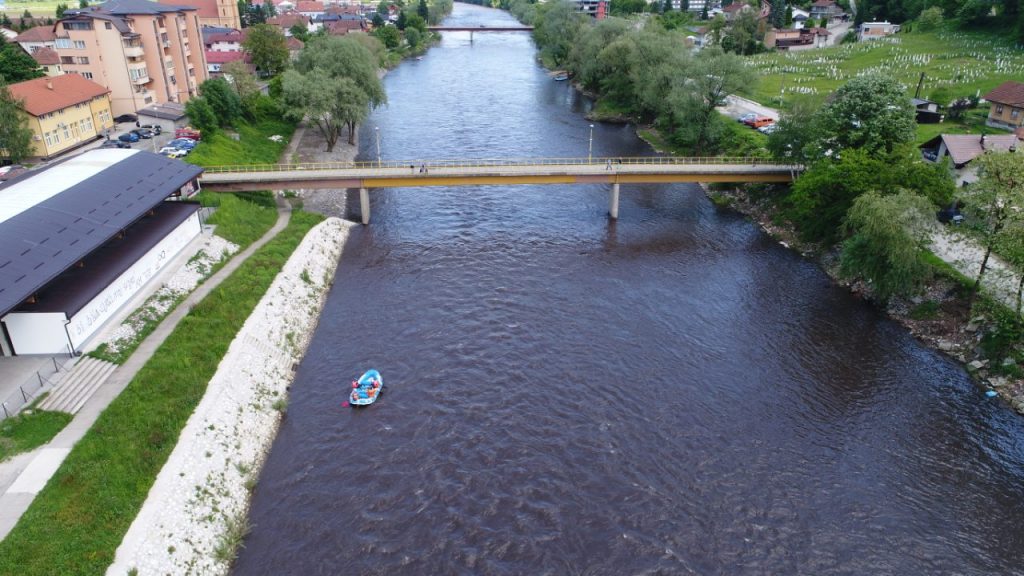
[(367, 389)]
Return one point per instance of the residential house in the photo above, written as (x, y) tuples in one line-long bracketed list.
[(800, 16), (64, 112), (926, 111), (48, 60), (143, 52), (342, 27), (732, 10), (874, 30), (294, 47), (797, 38), (212, 12), (288, 20), (1007, 110), (962, 148), (216, 60), (595, 8), (38, 37), (8, 34), (230, 41), (825, 9), (310, 8)]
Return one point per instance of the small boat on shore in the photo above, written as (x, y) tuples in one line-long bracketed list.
[(367, 389), (561, 77)]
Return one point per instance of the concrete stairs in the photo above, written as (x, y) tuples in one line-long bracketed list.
[(78, 385)]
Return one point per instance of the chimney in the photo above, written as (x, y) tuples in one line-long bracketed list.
[(49, 83)]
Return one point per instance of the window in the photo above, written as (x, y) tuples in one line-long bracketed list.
[(81, 59), (71, 25), (63, 43), (999, 109), (56, 137), (173, 80), (80, 44), (1014, 113), (67, 60), (107, 25), (67, 132), (87, 75), (49, 139)]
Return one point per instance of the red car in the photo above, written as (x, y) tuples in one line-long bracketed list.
[(188, 133)]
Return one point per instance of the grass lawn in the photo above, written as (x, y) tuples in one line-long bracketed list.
[(956, 63), (76, 523), (38, 8), (253, 146), (29, 429), (972, 123)]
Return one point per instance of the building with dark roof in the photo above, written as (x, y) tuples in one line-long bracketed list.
[(81, 238), (1007, 110), (63, 111)]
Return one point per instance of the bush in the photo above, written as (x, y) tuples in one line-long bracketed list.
[(930, 19)]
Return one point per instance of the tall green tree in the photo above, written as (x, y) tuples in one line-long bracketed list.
[(15, 135), (555, 30), (223, 99), (872, 113), (201, 115), (267, 47), (389, 35), (778, 14), (996, 200), (61, 9), (15, 64), (83, 3), (422, 10), (713, 75), (889, 235)]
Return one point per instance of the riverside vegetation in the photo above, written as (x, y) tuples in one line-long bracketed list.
[(866, 200)]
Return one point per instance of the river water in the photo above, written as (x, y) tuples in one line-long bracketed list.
[(673, 393)]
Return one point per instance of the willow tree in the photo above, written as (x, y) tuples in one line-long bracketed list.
[(711, 77)]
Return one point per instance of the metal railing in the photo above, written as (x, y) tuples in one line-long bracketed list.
[(498, 163), (29, 389)]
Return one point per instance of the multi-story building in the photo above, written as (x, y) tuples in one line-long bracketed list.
[(143, 52), (212, 12), (64, 112)]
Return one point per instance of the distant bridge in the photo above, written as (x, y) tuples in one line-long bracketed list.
[(472, 29), (416, 173)]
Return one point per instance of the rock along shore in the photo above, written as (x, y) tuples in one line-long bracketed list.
[(195, 513)]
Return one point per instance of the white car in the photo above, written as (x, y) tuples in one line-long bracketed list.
[(768, 129), (172, 152)]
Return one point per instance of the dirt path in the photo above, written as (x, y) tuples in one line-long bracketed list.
[(965, 255)]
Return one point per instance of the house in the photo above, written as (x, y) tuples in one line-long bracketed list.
[(38, 37), (212, 12), (143, 52), (797, 38), (8, 34), (1007, 110), (216, 60), (873, 30), (927, 112), (310, 8), (342, 27), (962, 148), (732, 10), (48, 60), (289, 19), (825, 9), (294, 47), (230, 41), (64, 112)]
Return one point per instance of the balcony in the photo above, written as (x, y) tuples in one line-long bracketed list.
[(133, 52)]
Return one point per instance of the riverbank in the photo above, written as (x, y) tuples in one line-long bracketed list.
[(940, 317)]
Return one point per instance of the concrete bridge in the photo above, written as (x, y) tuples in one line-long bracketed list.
[(418, 173), (474, 29)]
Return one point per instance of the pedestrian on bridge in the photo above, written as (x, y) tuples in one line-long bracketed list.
[(608, 166)]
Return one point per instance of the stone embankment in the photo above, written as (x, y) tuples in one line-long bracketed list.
[(195, 514)]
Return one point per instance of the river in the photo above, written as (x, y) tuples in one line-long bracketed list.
[(672, 393)]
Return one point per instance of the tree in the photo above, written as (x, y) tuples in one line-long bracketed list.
[(400, 22), (26, 15), (778, 14), (201, 115), (789, 16), (930, 19), (872, 113), (83, 3), (713, 76), (61, 9), (382, 8), (377, 20), (996, 200), (267, 47), (15, 64), (413, 37), (889, 237), (223, 99), (389, 36), (704, 12), (15, 135), (299, 30), (796, 133), (422, 10), (245, 85), (555, 31), (414, 21)]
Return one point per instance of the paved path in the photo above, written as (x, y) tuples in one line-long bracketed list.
[(964, 254), (22, 477)]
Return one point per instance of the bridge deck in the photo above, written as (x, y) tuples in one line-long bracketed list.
[(409, 173)]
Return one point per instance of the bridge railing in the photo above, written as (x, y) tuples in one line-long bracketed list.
[(499, 163)]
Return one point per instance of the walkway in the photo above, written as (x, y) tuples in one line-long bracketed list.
[(24, 476)]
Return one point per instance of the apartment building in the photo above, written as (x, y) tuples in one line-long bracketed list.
[(145, 53), (212, 12), (64, 112)]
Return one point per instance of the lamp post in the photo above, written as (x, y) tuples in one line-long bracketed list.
[(590, 148), (376, 130)]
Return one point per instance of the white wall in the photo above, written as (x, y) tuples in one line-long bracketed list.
[(37, 332), (92, 317)]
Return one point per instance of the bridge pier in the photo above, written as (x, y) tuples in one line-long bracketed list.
[(613, 202), (364, 205)]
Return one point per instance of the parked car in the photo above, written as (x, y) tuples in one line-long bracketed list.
[(768, 128), (182, 143), (115, 144), (188, 133), (128, 137), (154, 128), (126, 118), (760, 121), (143, 133), (172, 152), (746, 118)]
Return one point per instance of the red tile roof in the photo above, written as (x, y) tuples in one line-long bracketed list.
[(824, 3), (1010, 93), (309, 6), (229, 37), (37, 34), (49, 94), (734, 7), (293, 43), (224, 57), (46, 56), (288, 19), (342, 27)]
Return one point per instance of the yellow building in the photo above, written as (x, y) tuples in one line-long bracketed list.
[(64, 112)]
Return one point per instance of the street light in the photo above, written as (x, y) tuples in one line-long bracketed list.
[(590, 149), (376, 129)]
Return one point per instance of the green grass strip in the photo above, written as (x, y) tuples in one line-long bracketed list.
[(253, 145), (76, 523), (29, 430)]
